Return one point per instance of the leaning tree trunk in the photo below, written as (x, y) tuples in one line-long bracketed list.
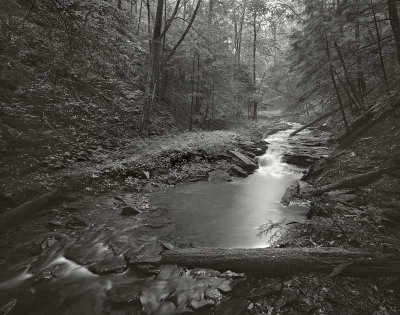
[(277, 262), (357, 97), (362, 87), (350, 182), (395, 24), (140, 17), (331, 70), (378, 36)]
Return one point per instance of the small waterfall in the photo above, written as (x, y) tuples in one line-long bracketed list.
[(270, 163), (271, 158)]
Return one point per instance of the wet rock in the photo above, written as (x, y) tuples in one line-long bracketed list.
[(291, 193), (149, 253), (154, 187), (232, 275), (197, 305), (256, 149), (218, 176), (236, 170), (299, 159), (213, 294), (113, 265), (149, 269), (59, 270), (124, 294), (87, 254), (129, 211), (43, 275), (166, 308), (197, 178), (250, 155), (166, 244), (8, 308), (244, 162), (158, 222), (169, 272)]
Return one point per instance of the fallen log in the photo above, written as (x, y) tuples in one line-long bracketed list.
[(326, 115), (27, 209), (278, 262), (364, 124), (353, 181)]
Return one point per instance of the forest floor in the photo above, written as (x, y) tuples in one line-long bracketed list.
[(105, 201)]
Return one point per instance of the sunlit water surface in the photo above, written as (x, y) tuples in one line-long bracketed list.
[(230, 214)]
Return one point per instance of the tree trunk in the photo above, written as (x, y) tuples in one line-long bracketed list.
[(239, 46), (197, 103), (155, 57), (395, 24), (185, 32), (353, 181), (315, 121), (140, 17), (278, 262), (254, 60), (331, 70), (362, 87), (357, 97), (378, 36), (192, 101), (210, 12)]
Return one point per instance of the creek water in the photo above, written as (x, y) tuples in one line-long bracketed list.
[(230, 214), (210, 214)]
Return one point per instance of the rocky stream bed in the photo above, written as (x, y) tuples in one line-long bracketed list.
[(99, 249)]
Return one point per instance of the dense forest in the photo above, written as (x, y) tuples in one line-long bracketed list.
[(207, 156)]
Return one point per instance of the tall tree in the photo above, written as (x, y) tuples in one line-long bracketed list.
[(394, 22), (155, 59)]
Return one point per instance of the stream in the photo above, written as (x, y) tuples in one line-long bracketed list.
[(229, 214), (206, 214)]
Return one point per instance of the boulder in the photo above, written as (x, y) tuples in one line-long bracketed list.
[(244, 162), (149, 253), (218, 176), (111, 265), (129, 211), (291, 193), (124, 294), (299, 159), (236, 170)]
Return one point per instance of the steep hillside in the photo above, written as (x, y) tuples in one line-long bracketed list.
[(72, 78)]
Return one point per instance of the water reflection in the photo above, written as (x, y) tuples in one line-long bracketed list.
[(229, 214)]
